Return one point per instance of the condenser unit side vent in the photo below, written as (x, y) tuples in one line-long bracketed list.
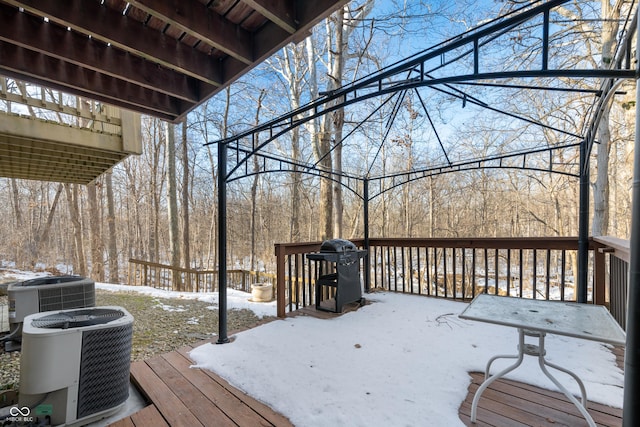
[(104, 369), (67, 297)]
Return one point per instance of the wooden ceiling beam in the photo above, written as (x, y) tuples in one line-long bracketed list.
[(109, 26), (91, 70), (33, 33), (194, 18), (18, 62), (271, 37), (279, 12)]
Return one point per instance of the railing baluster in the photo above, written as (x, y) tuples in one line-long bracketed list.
[(473, 272), (395, 268), (548, 278), (454, 286), (521, 284), (427, 270), (411, 269), (435, 269), (419, 271), (296, 284), (374, 261), (486, 271), (464, 278), (495, 261), (562, 275), (388, 268), (508, 272), (404, 272), (535, 273)]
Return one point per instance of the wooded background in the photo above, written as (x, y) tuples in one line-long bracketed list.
[(161, 206)]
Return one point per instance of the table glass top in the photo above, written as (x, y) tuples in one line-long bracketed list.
[(587, 321)]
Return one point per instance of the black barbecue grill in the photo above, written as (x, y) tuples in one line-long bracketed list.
[(339, 259)]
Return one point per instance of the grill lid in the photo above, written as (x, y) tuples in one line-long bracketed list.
[(337, 245)]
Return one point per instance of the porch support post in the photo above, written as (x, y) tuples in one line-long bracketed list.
[(367, 259), (630, 408), (222, 243), (583, 226)]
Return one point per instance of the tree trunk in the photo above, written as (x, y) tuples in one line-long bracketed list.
[(600, 222), (80, 264), (40, 237), (114, 273), (338, 117), (321, 142), (16, 203), (185, 198), (172, 197), (326, 189), (97, 247), (254, 188), (296, 188)]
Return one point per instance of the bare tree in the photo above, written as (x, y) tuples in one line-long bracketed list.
[(186, 241), (73, 195), (254, 188), (172, 198), (114, 272), (95, 237), (600, 224)]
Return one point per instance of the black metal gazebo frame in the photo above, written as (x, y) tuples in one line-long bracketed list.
[(412, 74)]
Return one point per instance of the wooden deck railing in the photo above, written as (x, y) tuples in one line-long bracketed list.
[(162, 276), (454, 268), (618, 251)]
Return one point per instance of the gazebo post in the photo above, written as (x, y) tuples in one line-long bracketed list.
[(583, 225), (367, 257), (222, 243), (630, 408)]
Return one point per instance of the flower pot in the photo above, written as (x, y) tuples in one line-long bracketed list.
[(262, 292)]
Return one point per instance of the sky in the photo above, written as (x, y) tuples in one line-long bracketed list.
[(400, 360)]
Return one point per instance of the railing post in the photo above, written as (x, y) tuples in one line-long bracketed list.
[(599, 292), (280, 279)]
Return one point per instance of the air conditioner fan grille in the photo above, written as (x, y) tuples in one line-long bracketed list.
[(77, 318)]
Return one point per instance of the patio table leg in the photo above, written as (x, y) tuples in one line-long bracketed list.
[(540, 352), (493, 359), (581, 407), (488, 380)]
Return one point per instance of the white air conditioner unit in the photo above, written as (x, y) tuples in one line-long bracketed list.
[(75, 364), (46, 294)]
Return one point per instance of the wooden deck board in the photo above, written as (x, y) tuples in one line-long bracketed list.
[(148, 417), (237, 410), (273, 418), (185, 396), (198, 404), (510, 403), (160, 394)]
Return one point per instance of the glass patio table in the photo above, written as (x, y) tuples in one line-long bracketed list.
[(536, 318)]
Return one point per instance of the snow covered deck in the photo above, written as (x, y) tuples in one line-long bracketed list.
[(420, 377)]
